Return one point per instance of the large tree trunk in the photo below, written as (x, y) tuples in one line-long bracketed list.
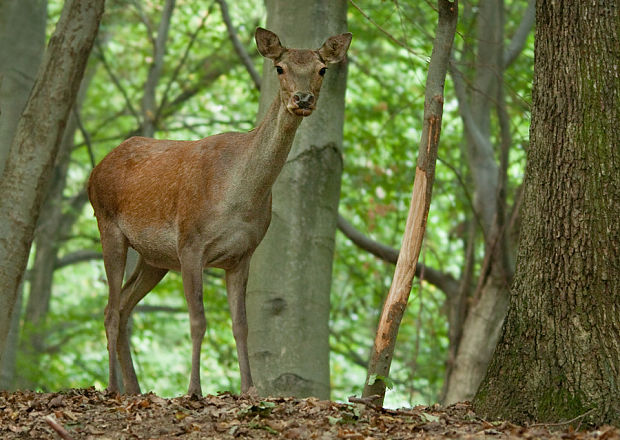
[(22, 41), (290, 276), (36, 142), (559, 354)]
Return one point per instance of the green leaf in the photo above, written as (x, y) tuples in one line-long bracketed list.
[(389, 383), (429, 417), (263, 409)]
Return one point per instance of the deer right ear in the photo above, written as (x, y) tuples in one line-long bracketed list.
[(268, 43), (335, 48)]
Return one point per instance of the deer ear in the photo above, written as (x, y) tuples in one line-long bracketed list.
[(268, 43), (335, 48)]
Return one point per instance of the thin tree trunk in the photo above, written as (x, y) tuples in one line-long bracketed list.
[(290, 276), (149, 100), (487, 306), (559, 354), (396, 301), (36, 142)]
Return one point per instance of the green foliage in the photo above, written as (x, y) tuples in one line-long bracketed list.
[(385, 98), (389, 383), (262, 409)]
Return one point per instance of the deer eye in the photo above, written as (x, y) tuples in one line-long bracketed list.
[(322, 71), (280, 70)]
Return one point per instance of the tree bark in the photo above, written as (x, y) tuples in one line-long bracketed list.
[(22, 42), (290, 275), (559, 354), (472, 344), (396, 301), (55, 222), (36, 142)]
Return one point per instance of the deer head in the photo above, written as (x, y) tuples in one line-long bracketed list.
[(301, 71)]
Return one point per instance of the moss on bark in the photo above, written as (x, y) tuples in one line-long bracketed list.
[(559, 355)]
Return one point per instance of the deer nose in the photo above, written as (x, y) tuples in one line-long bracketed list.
[(303, 99)]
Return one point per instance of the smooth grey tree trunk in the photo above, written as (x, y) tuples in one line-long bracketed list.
[(288, 293), (22, 42), (35, 145), (480, 329)]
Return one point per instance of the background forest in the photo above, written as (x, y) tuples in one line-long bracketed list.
[(170, 70)]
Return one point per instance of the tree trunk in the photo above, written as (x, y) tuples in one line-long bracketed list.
[(55, 222), (398, 296), (472, 345), (290, 275), (477, 341), (36, 142), (8, 359), (559, 354), (22, 42)]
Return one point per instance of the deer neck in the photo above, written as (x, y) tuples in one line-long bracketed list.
[(272, 141)]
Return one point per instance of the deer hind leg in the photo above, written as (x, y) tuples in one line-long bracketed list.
[(191, 272), (141, 282), (114, 246), (236, 282)]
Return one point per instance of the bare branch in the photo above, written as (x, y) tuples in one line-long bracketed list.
[(391, 37), (62, 432), (243, 54), (211, 68), (459, 177), (380, 250), (145, 20), (443, 281), (368, 400), (78, 257), (147, 308), (181, 63), (85, 135), (479, 142), (348, 352), (520, 37), (128, 102), (159, 50), (465, 109)]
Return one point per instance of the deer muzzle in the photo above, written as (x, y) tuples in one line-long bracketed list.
[(303, 103)]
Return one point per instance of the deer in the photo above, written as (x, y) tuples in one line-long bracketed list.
[(187, 205)]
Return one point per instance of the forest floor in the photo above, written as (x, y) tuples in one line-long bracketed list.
[(90, 414)]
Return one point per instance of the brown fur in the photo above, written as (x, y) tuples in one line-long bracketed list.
[(187, 205)]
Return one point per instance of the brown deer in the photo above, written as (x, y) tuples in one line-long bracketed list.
[(187, 205)]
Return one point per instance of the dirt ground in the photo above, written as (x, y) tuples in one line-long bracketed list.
[(90, 414)]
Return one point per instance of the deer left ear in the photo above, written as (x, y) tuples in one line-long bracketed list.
[(335, 48), (268, 43)]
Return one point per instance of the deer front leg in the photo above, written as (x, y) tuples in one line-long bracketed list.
[(236, 282), (114, 247), (191, 273)]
